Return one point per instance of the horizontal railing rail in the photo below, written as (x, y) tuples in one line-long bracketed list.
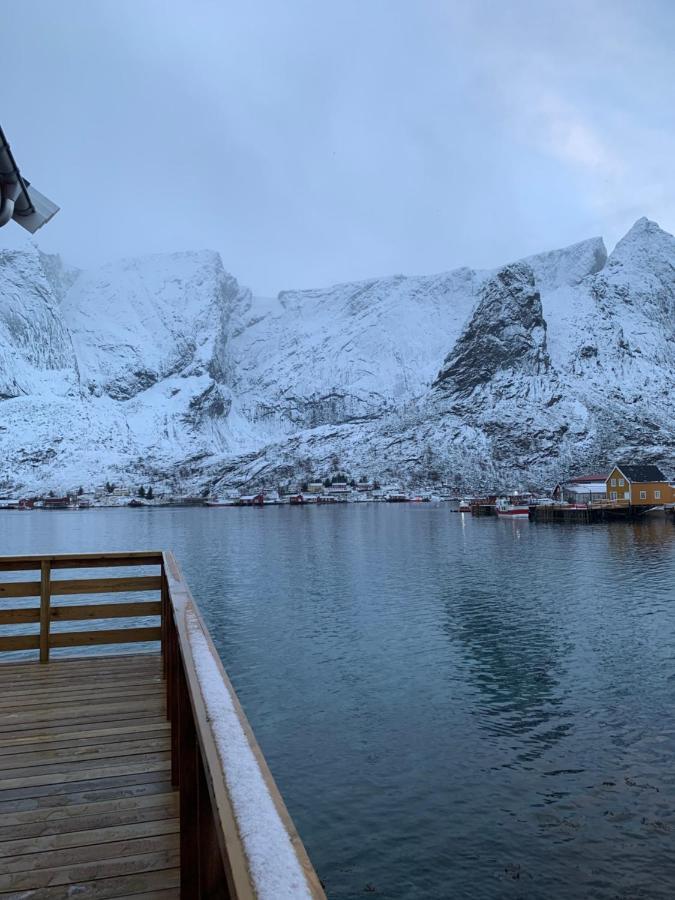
[(237, 838)]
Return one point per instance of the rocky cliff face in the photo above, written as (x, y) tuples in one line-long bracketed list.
[(36, 352), (165, 369), (139, 322), (499, 378), (504, 340)]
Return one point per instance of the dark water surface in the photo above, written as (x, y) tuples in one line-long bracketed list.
[(452, 708)]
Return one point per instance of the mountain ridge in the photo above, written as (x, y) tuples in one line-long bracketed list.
[(165, 369)]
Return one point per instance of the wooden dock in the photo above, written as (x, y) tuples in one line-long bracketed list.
[(113, 779), (567, 514), (588, 513), (483, 509)]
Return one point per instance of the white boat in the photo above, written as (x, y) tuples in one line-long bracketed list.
[(510, 508), (464, 506)]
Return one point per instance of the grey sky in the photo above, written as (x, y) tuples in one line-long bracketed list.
[(311, 142)]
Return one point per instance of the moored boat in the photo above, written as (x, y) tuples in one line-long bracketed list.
[(510, 508)]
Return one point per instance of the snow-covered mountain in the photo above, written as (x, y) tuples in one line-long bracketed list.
[(164, 370)]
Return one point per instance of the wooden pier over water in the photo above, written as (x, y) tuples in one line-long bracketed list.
[(598, 511), (134, 774), (568, 514)]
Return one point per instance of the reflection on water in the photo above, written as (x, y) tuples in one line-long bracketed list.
[(453, 708)]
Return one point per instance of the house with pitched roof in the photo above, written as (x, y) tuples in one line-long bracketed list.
[(643, 484)]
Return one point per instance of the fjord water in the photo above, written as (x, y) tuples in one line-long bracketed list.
[(452, 707)]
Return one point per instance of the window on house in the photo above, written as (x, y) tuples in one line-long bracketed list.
[(657, 495), (626, 495), (613, 482), (621, 482), (643, 495)]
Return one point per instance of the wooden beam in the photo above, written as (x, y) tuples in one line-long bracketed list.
[(69, 667), (19, 616), (106, 585), (102, 690), (20, 589), (35, 761), (135, 609), (114, 851), (82, 791), (212, 878), (83, 735), (82, 560), (47, 816), (45, 572), (87, 837), (77, 712), (188, 780), (159, 884), (114, 636), (62, 778), (19, 642)]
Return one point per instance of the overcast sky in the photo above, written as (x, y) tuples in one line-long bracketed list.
[(314, 141)]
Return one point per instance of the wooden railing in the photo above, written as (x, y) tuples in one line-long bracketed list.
[(237, 838), (609, 504), (48, 587)]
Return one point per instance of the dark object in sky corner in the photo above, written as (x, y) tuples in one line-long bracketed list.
[(18, 200)]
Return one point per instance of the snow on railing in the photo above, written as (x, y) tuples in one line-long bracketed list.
[(218, 765), (274, 865)]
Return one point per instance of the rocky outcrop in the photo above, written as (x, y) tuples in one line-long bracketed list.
[(504, 339), (499, 379)]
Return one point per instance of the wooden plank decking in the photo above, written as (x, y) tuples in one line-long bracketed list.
[(87, 808)]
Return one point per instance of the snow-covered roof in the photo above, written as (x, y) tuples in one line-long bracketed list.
[(586, 487)]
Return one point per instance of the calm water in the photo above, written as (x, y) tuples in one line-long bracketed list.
[(452, 708)]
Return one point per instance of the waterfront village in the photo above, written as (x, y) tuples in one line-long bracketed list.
[(628, 490)]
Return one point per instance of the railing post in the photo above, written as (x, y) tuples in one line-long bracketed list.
[(188, 786), (174, 700), (45, 592), (164, 625), (212, 878)]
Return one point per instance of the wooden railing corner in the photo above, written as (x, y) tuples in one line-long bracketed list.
[(214, 853)]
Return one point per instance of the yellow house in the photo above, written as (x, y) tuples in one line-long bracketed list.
[(639, 485)]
